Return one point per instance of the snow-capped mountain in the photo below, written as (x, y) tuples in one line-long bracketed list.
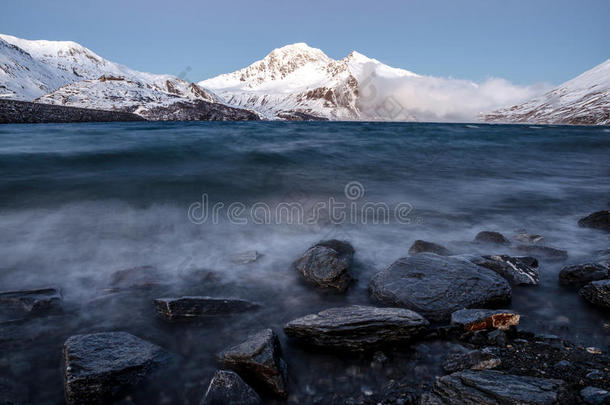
[(299, 79), (584, 100)]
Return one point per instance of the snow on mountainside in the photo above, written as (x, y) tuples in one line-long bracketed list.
[(583, 100), (301, 79)]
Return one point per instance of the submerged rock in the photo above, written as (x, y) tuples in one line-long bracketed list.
[(495, 387), (473, 360), (327, 264), (31, 301), (517, 270), (598, 220), (544, 252), (580, 274), (479, 319), (227, 388), (357, 327), (437, 286), (249, 256), (421, 246), (490, 237), (259, 361), (597, 293), (102, 367), (188, 308)]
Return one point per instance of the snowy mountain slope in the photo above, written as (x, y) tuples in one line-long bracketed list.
[(582, 100)]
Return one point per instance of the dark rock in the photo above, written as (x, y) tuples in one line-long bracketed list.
[(246, 257), (31, 301), (189, 308), (598, 220), (227, 388), (544, 252), (517, 270), (595, 396), (473, 360), (597, 293), (259, 361), (299, 116), (12, 393), (494, 387), (497, 337), (480, 319), (490, 237), (140, 277), (327, 264), (101, 367), (199, 110), (421, 246), (580, 274), (437, 286), (357, 327)]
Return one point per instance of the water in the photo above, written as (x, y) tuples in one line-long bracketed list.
[(80, 202)]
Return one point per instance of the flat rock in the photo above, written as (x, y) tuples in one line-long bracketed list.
[(516, 270), (597, 293), (598, 220), (595, 396), (102, 367), (246, 257), (31, 302), (544, 252), (437, 286), (227, 388), (495, 238), (189, 308), (494, 387), (357, 327), (580, 274), (473, 360), (259, 361), (480, 319), (327, 264), (422, 246)]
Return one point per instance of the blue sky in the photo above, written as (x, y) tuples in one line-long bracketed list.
[(524, 41)]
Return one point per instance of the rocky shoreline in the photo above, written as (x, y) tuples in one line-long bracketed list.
[(438, 329)]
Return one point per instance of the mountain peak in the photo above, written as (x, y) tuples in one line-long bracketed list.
[(299, 52)]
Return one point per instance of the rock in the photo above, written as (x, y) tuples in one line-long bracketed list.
[(249, 256), (544, 252), (528, 238), (140, 277), (327, 264), (357, 327), (517, 270), (437, 286), (495, 238), (597, 293), (595, 396), (580, 274), (31, 302), (259, 361), (102, 367), (480, 319), (421, 246), (474, 360), (494, 387), (227, 388), (189, 308), (598, 220)]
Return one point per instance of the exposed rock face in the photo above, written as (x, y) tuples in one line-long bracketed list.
[(580, 274), (494, 387), (189, 308), (327, 264), (597, 293), (495, 238), (517, 270), (21, 112), (357, 327), (598, 220), (198, 110), (259, 361), (227, 388), (437, 286), (421, 246), (544, 252), (30, 301), (473, 360), (100, 367), (479, 319)]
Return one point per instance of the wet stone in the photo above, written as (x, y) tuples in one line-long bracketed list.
[(597, 293), (191, 308), (227, 388), (598, 220), (580, 274), (481, 319), (327, 264), (422, 246), (595, 396), (494, 238), (474, 360), (516, 270), (30, 302)]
